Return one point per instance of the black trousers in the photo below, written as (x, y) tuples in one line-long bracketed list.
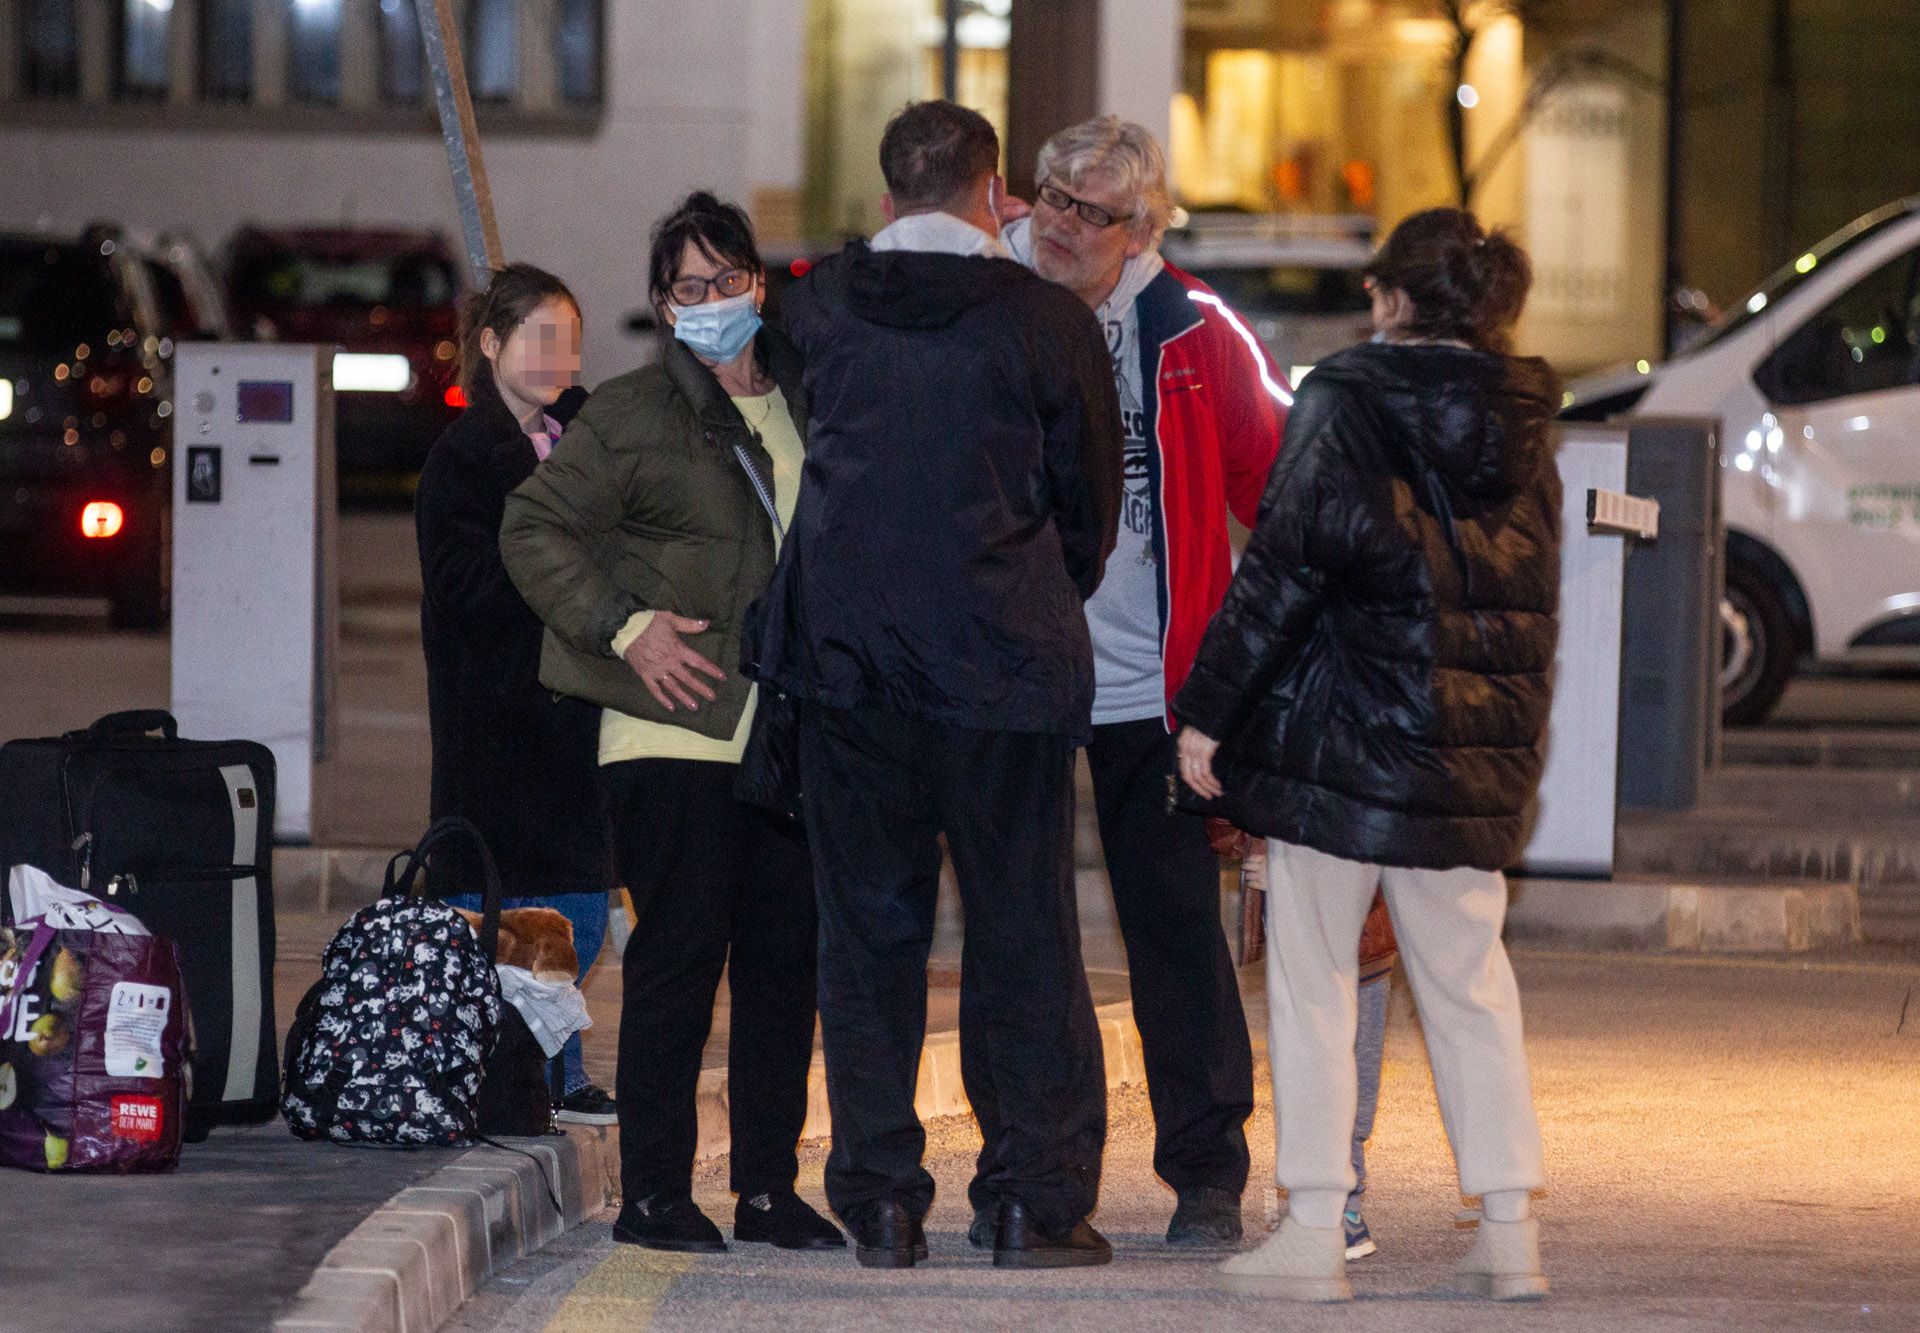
[(880, 789), (1186, 998), (716, 885)]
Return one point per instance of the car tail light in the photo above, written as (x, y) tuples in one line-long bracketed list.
[(102, 518), (455, 396)]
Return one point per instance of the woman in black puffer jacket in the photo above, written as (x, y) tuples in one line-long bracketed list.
[(1372, 697)]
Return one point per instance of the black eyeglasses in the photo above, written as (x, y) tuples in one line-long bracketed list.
[(728, 282), (1092, 214)]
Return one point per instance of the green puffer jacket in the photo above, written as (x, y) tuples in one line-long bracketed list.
[(647, 504)]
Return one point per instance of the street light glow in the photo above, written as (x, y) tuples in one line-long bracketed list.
[(1467, 95)]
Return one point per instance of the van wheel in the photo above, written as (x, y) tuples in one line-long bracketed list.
[(1758, 647)]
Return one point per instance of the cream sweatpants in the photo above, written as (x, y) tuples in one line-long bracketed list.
[(1448, 923)]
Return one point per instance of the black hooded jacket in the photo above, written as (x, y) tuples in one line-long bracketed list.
[(1379, 676), (959, 498), (507, 754)]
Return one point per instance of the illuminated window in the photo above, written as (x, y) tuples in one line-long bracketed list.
[(868, 58), (402, 58), (226, 50), (313, 51), (493, 49), (49, 49), (578, 43), (146, 29)]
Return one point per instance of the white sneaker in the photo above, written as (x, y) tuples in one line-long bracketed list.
[(1503, 1263), (1296, 1263)]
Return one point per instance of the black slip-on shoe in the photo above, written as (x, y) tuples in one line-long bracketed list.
[(786, 1222), (1021, 1242), (986, 1225), (660, 1223), (1206, 1219), (586, 1106), (885, 1235)]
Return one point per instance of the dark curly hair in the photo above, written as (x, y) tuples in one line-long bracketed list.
[(721, 230), (1466, 284)]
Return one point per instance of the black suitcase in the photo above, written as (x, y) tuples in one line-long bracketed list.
[(180, 833)]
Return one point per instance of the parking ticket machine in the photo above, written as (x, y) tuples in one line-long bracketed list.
[(255, 593)]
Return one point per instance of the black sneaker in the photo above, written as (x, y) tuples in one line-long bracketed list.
[(1206, 1219), (786, 1222), (661, 1223), (1021, 1242), (586, 1106)]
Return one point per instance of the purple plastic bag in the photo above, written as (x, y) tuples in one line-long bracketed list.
[(93, 1050)]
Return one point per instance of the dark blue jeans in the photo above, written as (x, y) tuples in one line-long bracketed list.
[(588, 912)]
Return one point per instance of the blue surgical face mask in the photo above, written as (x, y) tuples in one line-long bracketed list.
[(717, 330)]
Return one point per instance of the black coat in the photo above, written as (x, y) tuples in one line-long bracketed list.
[(959, 499), (1379, 676), (507, 754)]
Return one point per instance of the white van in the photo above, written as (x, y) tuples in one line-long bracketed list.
[(1815, 381)]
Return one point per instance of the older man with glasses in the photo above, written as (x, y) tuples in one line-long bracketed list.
[(1203, 412)]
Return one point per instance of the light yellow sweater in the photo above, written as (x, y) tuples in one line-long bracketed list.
[(623, 736)]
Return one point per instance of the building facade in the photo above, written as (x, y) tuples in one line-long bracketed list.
[(1547, 116)]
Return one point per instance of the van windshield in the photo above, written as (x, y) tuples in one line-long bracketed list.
[(1788, 280)]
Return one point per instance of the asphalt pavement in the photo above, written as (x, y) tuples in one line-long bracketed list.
[(1730, 1146)]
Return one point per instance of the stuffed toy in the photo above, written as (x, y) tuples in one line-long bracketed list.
[(538, 939)]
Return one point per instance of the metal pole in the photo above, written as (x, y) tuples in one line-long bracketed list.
[(950, 54), (1673, 272), (441, 37)]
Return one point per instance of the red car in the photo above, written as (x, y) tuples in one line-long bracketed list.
[(390, 300)]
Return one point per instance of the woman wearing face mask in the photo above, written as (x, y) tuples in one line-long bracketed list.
[(508, 754), (641, 544)]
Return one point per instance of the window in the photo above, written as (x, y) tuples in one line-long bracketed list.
[(579, 52), (54, 297), (49, 49), (146, 31), (281, 280), (402, 56), (1863, 342), (313, 51), (226, 50), (493, 50)]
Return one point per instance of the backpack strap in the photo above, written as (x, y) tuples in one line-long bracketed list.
[(406, 880)]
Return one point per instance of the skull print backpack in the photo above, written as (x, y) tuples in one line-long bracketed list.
[(390, 1046)]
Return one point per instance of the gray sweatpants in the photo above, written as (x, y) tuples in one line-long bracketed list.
[(1448, 923)]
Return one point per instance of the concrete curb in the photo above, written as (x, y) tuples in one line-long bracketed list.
[(420, 1255), (323, 879), (416, 1258), (1699, 916)]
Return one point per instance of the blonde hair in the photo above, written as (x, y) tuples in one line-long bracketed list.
[(1122, 152)]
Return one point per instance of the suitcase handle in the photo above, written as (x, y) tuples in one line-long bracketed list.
[(404, 881), (134, 722)]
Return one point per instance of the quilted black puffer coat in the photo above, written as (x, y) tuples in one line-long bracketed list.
[(1379, 676)]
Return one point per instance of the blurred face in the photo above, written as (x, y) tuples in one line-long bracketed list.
[(540, 360), (1072, 247)]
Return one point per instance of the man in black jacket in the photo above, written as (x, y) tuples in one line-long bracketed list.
[(957, 508)]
